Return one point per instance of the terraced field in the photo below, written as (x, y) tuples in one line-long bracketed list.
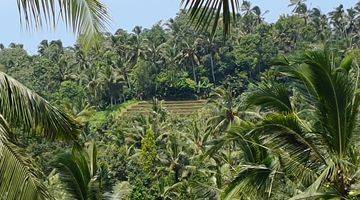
[(176, 107)]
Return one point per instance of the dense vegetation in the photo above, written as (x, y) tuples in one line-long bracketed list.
[(281, 119)]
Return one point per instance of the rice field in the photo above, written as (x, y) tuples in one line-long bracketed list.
[(183, 108)]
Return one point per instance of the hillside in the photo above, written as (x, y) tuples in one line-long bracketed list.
[(175, 107)]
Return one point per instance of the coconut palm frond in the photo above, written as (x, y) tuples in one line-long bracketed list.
[(23, 108), (84, 17), (251, 181), (270, 96), (74, 173), (206, 12), (19, 179), (333, 94), (78, 171)]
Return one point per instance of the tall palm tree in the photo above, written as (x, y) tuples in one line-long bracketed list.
[(189, 57), (22, 108), (210, 48), (302, 11), (337, 19), (296, 4), (135, 46), (320, 21)]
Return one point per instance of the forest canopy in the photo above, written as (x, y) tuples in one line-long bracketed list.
[(266, 111)]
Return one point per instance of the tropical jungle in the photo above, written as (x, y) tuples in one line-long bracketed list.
[(214, 103)]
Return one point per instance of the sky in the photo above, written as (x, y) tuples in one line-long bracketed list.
[(126, 14)]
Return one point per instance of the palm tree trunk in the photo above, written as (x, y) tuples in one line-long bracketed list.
[(343, 186), (111, 96), (194, 72), (128, 81), (212, 68)]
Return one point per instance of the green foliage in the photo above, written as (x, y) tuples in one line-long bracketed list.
[(175, 85), (148, 152), (267, 132), (86, 18), (78, 171), (26, 110)]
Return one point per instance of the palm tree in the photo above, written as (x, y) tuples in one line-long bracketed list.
[(318, 20), (113, 83), (22, 108), (43, 46), (317, 144), (259, 14), (86, 18), (210, 48), (189, 57), (302, 11), (296, 4), (174, 157), (135, 46), (337, 19), (225, 111)]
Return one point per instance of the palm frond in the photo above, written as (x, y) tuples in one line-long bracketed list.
[(332, 92), (121, 190), (287, 132), (19, 179), (91, 157), (317, 195), (205, 12), (84, 17), (74, 173), (235, 134), (299, 153), (347, 63), (23, 108), (251, 181), (270, 96)]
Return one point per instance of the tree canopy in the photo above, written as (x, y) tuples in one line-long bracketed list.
[(178, 112)]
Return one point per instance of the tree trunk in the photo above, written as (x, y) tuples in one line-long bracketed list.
[(128, 81), (194, 73), (343, 186), (212, 68)]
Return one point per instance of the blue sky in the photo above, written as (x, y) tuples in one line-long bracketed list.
[(126, 14)]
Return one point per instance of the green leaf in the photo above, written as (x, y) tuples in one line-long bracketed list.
[(87, 18), (205, 12), (19, 179), (346, 63), (23, 108)]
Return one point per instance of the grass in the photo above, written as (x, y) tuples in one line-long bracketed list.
[(100, 117)]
